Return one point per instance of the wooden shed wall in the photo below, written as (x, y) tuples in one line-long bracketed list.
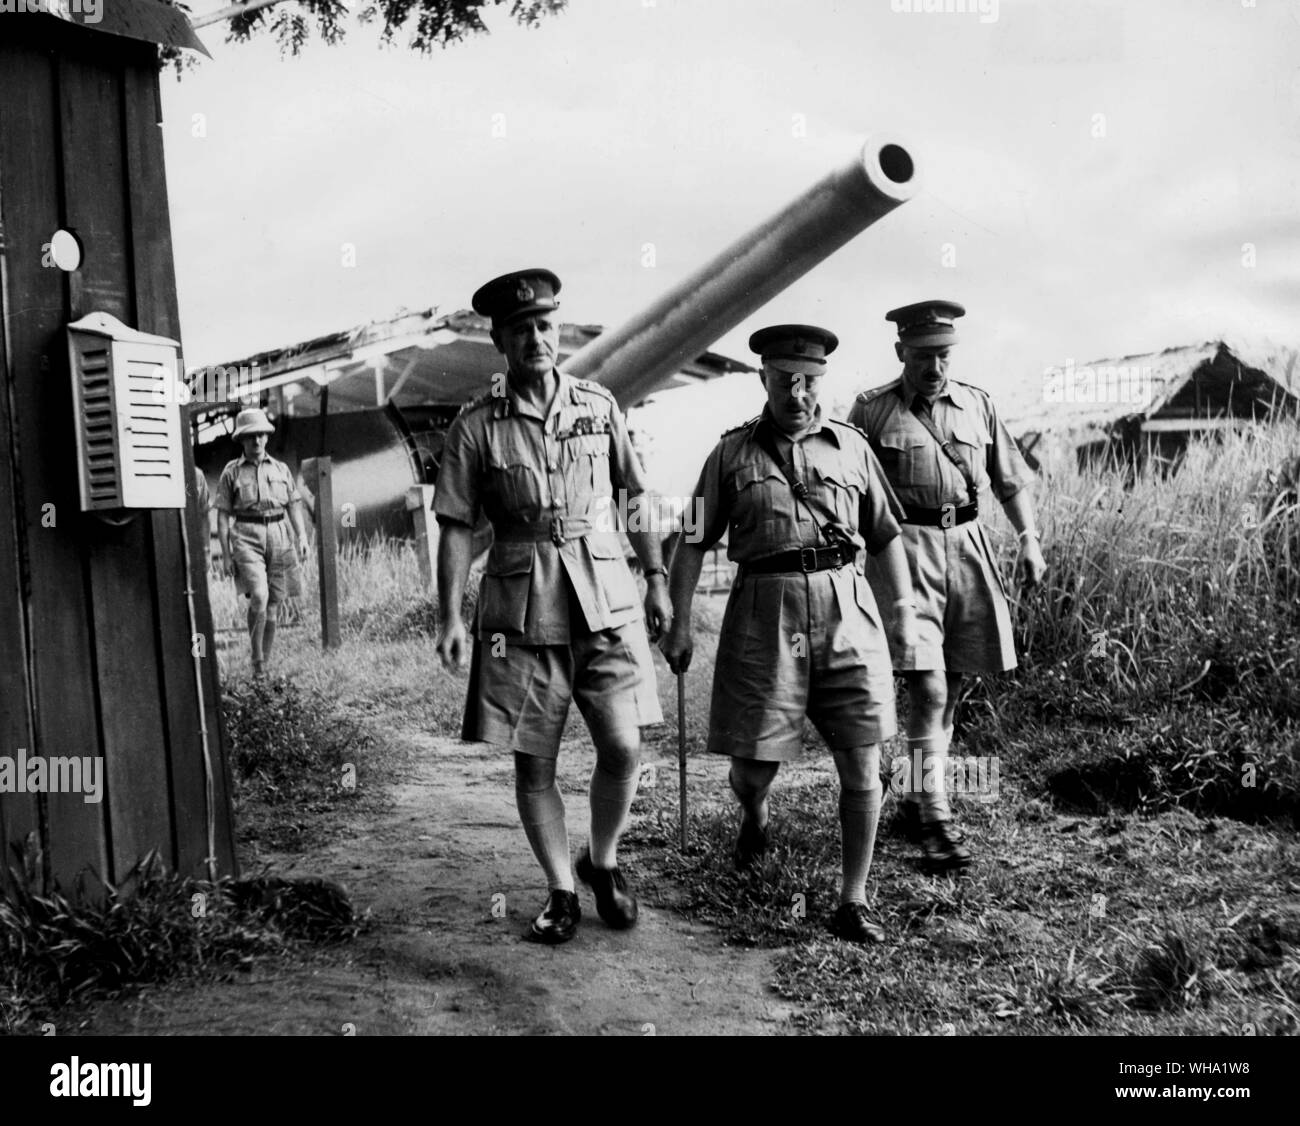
[(95, 632)]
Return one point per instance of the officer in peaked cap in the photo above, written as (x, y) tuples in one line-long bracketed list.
[(942, 447), (521, 294), (543, 456), (258, 506), (798, 495)]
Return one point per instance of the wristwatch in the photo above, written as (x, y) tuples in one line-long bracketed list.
[(656, 571)]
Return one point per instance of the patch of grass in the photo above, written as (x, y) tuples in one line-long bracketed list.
[(1066, 924), (56, 950), (296, 759)]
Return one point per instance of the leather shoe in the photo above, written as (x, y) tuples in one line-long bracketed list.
[(613, 902), (751, 844), (942, 847), (853, 923), (559, 921)]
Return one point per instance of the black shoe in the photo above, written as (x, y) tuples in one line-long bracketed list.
[(853, 923), (613, 902), (942, 847), (559, 921), (751, 844)]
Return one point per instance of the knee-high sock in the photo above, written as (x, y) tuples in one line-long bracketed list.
[(933, 796), (542, 812), (753, 801), (859, 813), (256, 630), (268, 632), (611, 798)]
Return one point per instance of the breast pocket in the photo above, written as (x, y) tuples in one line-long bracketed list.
[(588, 457), (503, 597), (840, 489), (246, 494), (902, 455), (761, 497), (278, 490), (515, 483), (972, 440)]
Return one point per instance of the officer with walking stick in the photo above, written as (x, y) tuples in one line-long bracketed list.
[(799, 495)]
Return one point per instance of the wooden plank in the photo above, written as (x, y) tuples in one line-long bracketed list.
[(128, 679), (41, 422), (190, 762), (19, 815)]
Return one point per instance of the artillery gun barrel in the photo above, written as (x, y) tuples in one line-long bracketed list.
[(636, 358)]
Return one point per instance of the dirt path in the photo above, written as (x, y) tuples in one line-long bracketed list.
[(432, 869)]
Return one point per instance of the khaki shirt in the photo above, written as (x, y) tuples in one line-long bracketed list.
[(262, 488), (917, 468), (533, 476), (742, 492)]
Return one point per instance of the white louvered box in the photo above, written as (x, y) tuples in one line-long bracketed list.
[(128, 418)]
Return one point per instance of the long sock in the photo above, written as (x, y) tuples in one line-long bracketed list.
[(542, 813), (934, 762), (611, 798), (859, 813), (256, 630), (753, 803), (268, 633)]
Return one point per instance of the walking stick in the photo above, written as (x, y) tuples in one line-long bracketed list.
[(681, 751)]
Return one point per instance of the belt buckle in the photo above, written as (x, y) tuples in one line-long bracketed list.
[(557, 531), (804, 554), (947, 515)]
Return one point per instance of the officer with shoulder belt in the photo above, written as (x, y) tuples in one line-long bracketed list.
[(257, 504), (544, 455), (942, 445), (798, 496)]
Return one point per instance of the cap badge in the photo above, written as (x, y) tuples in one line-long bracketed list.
[(524, 292)]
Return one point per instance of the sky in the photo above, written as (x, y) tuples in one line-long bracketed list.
[(1097, 178)]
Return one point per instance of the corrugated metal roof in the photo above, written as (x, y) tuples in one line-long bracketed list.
[(146, 20), (444, 359), (1098, 393)]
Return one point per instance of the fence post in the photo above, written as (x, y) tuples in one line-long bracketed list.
[(327, 548), (419, 498)]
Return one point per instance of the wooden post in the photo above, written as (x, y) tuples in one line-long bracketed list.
[(327, 548), (419, 499)]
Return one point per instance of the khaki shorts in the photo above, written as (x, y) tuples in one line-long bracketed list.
[(963, 619), (796, 645), (264, 557), (520, 698)]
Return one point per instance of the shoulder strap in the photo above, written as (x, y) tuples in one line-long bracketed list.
[(763, 437), (946, 446)]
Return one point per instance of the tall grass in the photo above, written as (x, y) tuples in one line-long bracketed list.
[(1150, 581), (1159, 660)]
